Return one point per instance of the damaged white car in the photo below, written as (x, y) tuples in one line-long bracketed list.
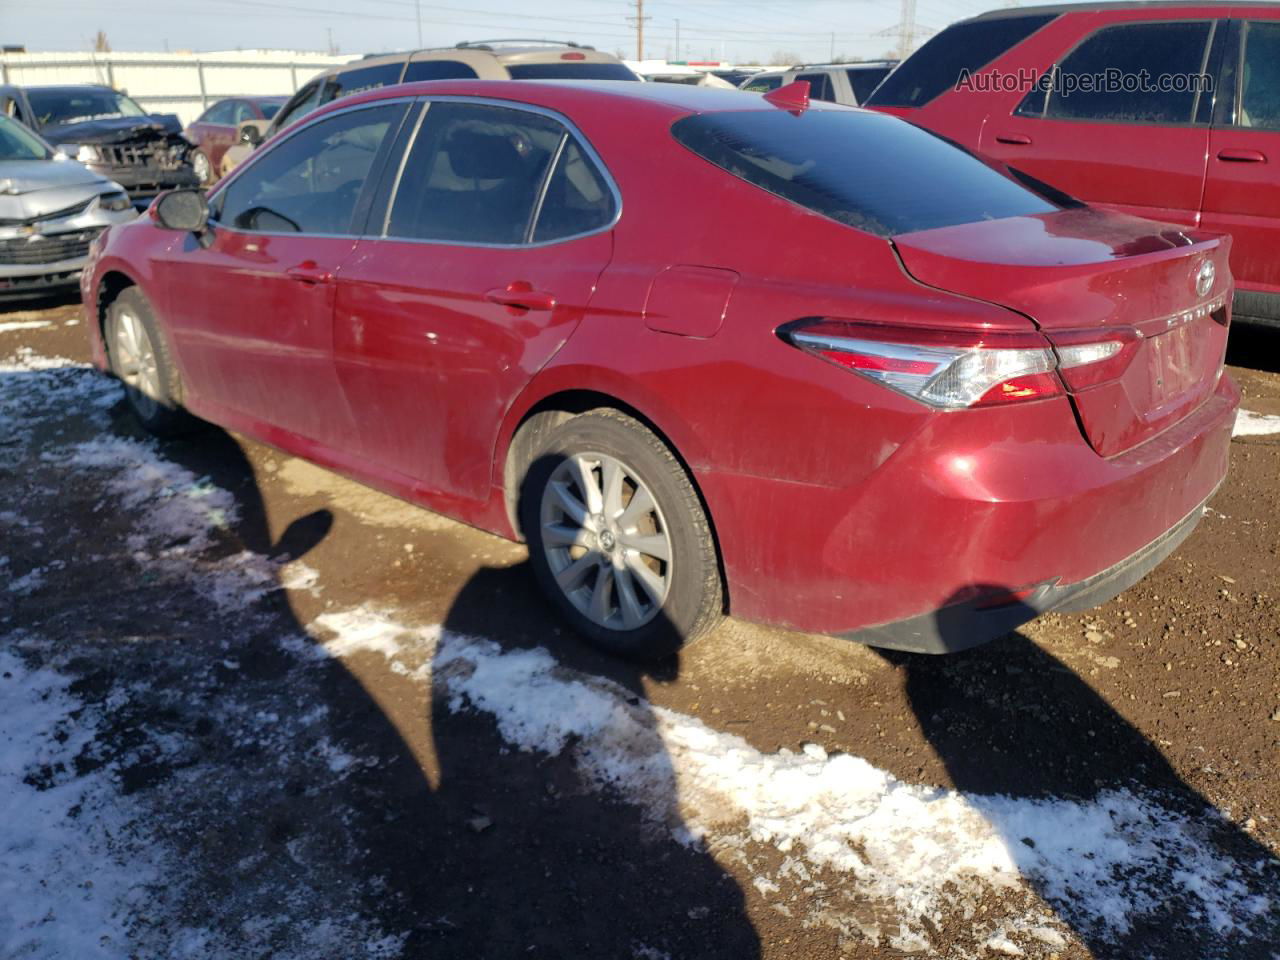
[(51, 208)]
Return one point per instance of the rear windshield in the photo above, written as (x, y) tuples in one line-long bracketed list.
[(937, 65), (866, 170), (570, 70)]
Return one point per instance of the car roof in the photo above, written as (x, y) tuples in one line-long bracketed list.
[(503, 52), (66, 86), (678, 98), (1096, 7)]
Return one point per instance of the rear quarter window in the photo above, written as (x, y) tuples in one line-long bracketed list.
[(570, 70), (438, 70), (936, 67), (866, 170)]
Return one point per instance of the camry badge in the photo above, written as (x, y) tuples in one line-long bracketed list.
[(1205, 277)]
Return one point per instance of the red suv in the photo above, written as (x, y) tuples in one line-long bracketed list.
[(936, 402), (1165, 110)]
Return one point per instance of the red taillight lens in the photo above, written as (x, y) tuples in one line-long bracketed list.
[(957, 369), (949, 369), (573, 56)]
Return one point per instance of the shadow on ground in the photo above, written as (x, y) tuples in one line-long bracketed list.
[(1007, 718), (507, 855)]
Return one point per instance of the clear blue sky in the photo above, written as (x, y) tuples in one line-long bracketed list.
[(743, 30)]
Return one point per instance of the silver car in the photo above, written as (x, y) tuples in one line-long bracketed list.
[(51, 208)]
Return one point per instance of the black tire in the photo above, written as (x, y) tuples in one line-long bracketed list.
[(159, 408), (694, 600)]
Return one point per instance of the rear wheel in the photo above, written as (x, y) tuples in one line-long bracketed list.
[(139, 358), (618, 538)]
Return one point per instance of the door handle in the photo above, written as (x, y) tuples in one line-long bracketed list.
[(520, 295), (1014, 139), (308, 271), (1242, 156)]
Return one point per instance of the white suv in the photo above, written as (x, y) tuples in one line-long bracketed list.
[(847, 83)]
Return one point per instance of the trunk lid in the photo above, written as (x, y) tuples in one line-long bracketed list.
[(1085, 276)]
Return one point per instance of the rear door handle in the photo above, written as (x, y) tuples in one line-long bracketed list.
[(1242, 156), (1014, 139), (308, 271), (520, 295)]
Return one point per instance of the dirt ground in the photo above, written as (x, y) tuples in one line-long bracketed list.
[(281, 793)]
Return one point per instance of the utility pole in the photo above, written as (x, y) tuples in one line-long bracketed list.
[(907, 28), (833, 47), (678, 57), (639, 18), (417, 10)]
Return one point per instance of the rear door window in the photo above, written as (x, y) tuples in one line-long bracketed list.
[(481, 174), (819, 86), (1132, 73), (865, 170), (437, 70), (936, 67), (1260, 78), (474, 174), (310, 183), (763, 84)]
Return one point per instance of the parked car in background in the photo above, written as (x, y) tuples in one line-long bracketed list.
[(108, 133), (847, 83), (937, 402), (1203, 156), (482, 60), (51, 208), (217, 127)]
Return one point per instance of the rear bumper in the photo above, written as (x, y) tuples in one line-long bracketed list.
[(964, 625), (995, 502)]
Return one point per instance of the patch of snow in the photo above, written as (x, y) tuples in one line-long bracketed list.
[(1105, 863), (1250, 424), (24, 325), (28, 583), (69, 877)]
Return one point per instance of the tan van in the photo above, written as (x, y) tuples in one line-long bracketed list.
[(483, 60)]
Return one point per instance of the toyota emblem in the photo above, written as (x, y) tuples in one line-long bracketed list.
[(1205, 277)]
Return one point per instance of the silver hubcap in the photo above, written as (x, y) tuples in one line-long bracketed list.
[(606, 541), (136, 363)]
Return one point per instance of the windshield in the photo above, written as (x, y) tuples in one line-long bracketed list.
[(19, 143), (866, 170), (55, 106)]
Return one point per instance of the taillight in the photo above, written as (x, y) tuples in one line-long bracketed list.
[(956, 369)]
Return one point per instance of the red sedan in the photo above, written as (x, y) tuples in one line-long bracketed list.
[(215, 130), (705, 352)]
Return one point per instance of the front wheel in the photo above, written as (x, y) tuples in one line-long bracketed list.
[(618, 537), (140, 360)]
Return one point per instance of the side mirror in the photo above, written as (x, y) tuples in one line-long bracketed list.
[(185, 210)]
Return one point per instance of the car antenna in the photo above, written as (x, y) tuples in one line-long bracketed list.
[(793, 97)]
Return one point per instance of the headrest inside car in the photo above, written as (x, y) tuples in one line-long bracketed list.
[(482, 155)]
